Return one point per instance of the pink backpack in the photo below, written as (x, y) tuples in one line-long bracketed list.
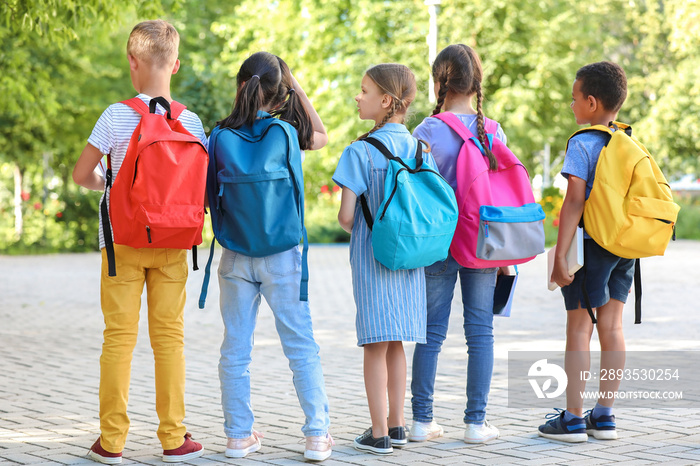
[(499, 221)]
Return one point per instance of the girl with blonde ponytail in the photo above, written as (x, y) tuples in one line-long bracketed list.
[(457, 74), (390, 304)]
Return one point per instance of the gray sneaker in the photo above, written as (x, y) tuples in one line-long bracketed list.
[(398, 436), (377, 446)]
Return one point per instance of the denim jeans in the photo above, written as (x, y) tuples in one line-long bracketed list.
[(477, 299), (242, 281)]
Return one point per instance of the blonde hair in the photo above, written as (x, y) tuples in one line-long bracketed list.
[(155, 42), (397, 81)]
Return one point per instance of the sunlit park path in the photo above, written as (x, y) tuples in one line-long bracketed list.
[(50, 337)]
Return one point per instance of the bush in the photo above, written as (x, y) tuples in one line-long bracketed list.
[(688, 224), (551, 203), (322, 217)]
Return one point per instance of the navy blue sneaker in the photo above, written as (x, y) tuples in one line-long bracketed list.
[(601, 427), (378, 446), (398, 436), (556, 429)]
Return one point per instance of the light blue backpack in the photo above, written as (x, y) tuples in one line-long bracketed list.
[(416, 220), (255, 186)]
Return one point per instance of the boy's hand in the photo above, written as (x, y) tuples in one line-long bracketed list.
[(560, 274)]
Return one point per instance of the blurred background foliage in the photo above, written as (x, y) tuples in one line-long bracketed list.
[(62, 62)]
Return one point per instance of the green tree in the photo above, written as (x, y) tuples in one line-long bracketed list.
[(46, 79)]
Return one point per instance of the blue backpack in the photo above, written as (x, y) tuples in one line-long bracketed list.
[(255, 186), (416, 220)]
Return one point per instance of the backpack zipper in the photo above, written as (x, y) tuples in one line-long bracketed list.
[(486, 226), (148, 232)]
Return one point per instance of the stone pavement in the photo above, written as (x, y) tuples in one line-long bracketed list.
[(50, 341)]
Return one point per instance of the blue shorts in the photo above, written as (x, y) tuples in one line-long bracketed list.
[(607, 277)]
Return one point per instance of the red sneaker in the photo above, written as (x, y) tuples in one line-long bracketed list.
[(187, 451), (99, 454)]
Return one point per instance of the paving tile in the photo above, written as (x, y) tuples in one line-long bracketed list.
[(48, 405)]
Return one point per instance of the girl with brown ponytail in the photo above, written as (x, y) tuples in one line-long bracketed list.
[(266, 88), (390, 304), (457, 74)]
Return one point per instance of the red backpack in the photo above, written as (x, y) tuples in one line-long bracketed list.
[(157, 199)]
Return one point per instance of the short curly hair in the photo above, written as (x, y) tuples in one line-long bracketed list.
[(606, 81)]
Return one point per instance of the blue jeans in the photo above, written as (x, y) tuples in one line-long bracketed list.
[(477, 298), (242, 281)]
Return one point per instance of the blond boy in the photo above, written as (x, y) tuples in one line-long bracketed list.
[(152, 51)]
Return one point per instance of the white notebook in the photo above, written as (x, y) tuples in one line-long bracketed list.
[(574, 258)]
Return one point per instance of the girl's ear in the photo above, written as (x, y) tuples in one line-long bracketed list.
[(387, 101)]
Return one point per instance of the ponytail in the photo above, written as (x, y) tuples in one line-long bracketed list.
[(249, 100), (293, 112)]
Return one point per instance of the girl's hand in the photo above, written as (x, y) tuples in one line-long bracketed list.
[(320, 135)]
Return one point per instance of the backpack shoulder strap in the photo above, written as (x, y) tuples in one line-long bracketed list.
[(387, 153), (304, 284), (137, 104), (176, 108), (207, 274), (599, 128), (490, 126), (451, 120)]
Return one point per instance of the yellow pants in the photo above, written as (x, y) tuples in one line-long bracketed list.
[(164, 271)]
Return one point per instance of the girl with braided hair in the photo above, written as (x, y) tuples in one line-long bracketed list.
[(390, 304), (457, 74)]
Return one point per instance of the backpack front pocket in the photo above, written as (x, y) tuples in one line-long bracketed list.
[(648, 227), (171, 226), (510, 233)]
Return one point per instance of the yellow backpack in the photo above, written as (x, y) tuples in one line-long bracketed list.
[(630, 210)]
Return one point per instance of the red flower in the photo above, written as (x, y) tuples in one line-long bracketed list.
[(59, 214), (37, 205), (25, 195), (555, 222), (336, 188), (324, 188)]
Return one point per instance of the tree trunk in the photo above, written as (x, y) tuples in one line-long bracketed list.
[(18, 202)]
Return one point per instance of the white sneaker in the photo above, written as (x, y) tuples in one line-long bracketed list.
[(318, 448), (480, 433), (422, 431)]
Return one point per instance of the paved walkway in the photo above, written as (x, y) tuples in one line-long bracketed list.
[(50, 340)]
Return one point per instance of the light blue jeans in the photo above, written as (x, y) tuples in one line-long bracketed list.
[(477, 299), (242, 280)]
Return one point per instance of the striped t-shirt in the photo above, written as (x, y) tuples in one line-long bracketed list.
[(113, 130)]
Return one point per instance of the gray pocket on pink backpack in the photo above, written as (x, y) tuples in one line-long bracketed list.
[(510, 233)]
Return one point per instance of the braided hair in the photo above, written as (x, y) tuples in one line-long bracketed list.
[(457, 68), (399, 83)]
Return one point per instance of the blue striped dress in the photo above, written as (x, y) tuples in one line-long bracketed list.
[(391, 305)]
